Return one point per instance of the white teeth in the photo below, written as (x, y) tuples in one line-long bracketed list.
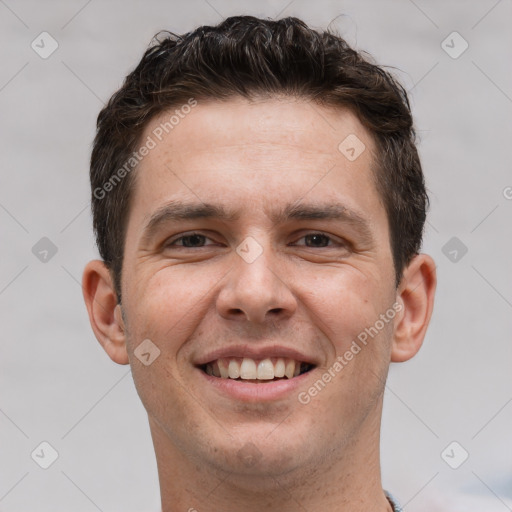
[(279, 368), (233, 369), (290, 368), (223, 368), (265, 370), (248, 369)]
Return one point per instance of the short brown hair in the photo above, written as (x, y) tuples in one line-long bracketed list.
[(247, 56)]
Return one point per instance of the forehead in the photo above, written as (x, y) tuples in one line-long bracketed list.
[(254, 153), (286, 123)]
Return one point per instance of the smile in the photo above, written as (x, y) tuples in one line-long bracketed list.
[(254, 370)]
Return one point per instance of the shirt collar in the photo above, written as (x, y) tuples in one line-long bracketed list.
[(394, 503)]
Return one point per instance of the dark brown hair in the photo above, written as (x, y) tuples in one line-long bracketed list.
[(251, 57)]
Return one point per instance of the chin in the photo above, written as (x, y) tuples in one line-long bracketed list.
[(256, 453)]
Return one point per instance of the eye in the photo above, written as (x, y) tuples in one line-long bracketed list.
[(198, 240), (190, 240), (317, 240)]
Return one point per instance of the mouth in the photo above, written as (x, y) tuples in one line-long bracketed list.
[(257, 371)]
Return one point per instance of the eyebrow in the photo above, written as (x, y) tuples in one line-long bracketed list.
[(177, 210)]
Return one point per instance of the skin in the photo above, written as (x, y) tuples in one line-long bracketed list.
[(256, 157)]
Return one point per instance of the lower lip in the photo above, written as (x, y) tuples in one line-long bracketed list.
[(256, 392)]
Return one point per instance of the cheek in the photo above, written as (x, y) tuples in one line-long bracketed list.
[(345, 302), (160, 310), (169, 302)]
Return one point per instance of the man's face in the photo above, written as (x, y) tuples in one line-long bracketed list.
[(268, 283)]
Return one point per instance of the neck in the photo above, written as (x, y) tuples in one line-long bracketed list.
[(347, 478)]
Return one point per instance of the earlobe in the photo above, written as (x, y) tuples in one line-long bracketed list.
[(104, 312), (416, 294)]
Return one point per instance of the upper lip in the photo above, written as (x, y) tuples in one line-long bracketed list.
[(256, 352)]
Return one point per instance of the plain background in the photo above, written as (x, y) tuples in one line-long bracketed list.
[(57, 384)]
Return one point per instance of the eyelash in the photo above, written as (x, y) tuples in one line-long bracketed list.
[(171, 242)]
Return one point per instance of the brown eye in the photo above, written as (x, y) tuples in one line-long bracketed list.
[(317, 240), (192, 240)]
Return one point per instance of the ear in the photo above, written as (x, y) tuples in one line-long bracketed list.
[(104, 312), (416, 295)]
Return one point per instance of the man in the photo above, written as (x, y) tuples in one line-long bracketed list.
[(259, 203)]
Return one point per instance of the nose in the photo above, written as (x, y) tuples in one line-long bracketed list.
[(256, 291)]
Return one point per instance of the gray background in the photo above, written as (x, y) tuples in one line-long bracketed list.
[(57, 384)]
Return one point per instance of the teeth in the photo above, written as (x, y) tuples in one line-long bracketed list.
[(234, 369), (290, 368), (279, 368), (265, 370), (249, 369), (223, 368)]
